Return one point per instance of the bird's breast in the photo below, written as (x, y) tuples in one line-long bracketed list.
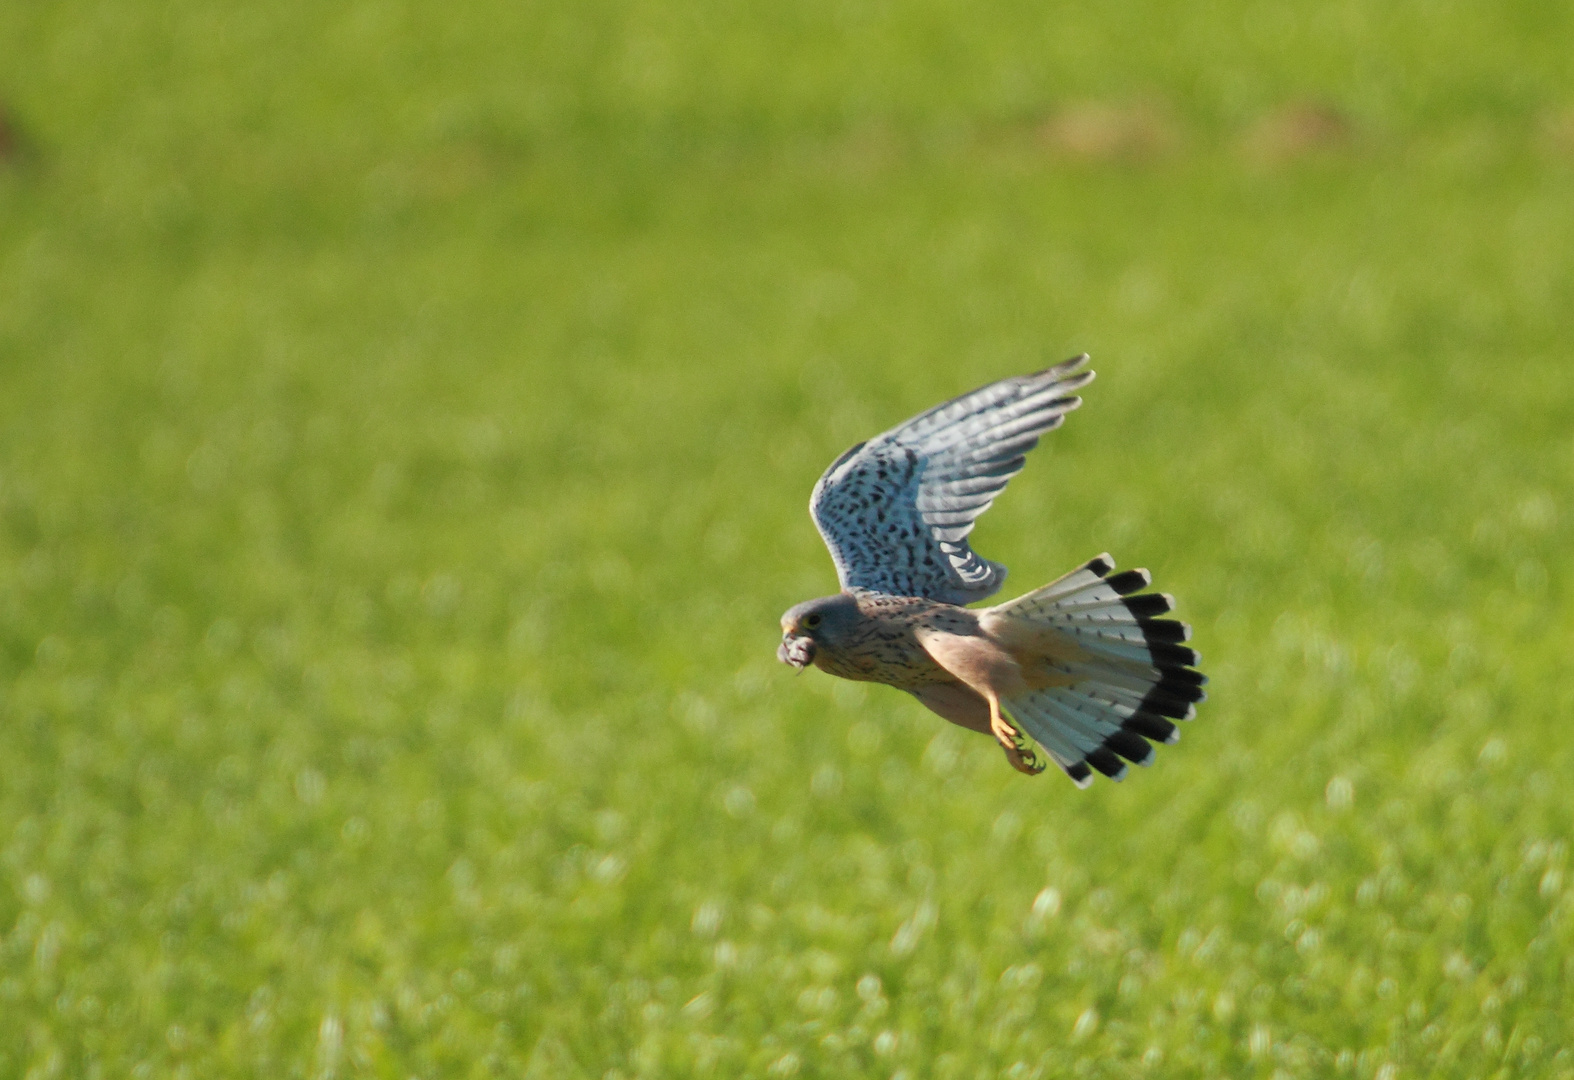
[(883, 645)]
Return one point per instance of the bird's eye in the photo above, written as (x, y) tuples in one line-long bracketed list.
[(811, 621)]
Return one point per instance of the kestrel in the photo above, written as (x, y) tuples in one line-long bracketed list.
[(1084, 664)]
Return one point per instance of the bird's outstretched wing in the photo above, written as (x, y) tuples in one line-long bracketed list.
[(896, 510)]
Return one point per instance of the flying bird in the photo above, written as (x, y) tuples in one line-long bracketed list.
[(1086, 665)]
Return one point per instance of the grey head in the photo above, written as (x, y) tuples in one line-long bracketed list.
[(815, 624)]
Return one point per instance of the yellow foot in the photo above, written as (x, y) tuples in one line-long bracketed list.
[(1018, 750), (1004, 733)]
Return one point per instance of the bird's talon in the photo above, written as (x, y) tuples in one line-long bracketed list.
[(1022, 757), (1006, 735)]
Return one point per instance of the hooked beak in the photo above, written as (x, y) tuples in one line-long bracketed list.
[(795, 650)]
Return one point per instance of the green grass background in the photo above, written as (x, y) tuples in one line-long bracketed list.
[(407, 415)]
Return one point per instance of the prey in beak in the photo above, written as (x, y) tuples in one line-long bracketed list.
[(796, 650)]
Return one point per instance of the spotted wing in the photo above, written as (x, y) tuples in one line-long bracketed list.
[(896, 510)]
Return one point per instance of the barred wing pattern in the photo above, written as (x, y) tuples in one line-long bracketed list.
[(896, 511)]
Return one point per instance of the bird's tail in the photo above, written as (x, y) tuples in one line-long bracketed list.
[(1105, 673)]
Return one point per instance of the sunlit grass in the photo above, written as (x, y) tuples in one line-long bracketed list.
[(404, 453)]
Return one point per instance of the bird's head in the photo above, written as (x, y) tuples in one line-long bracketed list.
[(813, 624)]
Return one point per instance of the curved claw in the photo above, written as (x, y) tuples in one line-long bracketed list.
[(1018, 750), (1023, 759)]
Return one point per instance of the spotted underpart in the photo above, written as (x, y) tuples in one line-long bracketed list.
[(896, 511), (882, 644)]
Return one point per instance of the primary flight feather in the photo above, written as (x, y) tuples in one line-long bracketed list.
[(1084, 664)]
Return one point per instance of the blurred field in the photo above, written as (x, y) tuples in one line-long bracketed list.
[(407, 417)]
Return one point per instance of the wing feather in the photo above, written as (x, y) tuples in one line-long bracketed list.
[(896, 511)]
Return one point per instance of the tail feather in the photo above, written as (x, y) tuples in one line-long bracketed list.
[(1094, 732), (1138, 684), (1129, 679), (1059, 743), (1084, 578), (1096, 629), (1088, 730), (1118, 608), (1149, 651), (1131, 746), (1150, 726), (1103, 697)]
